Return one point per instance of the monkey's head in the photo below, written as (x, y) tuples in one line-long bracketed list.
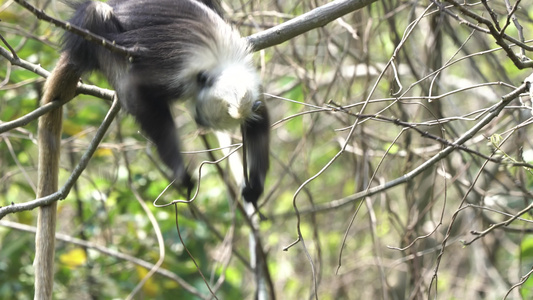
[(226, 96), (219, 78)]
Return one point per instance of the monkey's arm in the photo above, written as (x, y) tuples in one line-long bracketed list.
[(256, 136), (152, 111)]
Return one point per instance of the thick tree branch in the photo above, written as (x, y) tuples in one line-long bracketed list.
[(318, 17)]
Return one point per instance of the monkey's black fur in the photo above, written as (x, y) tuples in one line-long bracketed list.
[(182, 50)]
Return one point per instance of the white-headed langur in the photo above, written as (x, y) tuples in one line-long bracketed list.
[(182, 50)]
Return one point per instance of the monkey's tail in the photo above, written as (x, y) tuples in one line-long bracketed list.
[(60, 85)]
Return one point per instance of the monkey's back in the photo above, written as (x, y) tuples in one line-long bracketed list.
[(165, 37)]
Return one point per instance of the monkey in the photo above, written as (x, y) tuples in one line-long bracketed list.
[(183, 50)]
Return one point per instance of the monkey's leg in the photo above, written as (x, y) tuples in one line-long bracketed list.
[(157, 122)]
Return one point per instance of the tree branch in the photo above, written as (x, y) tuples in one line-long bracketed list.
[(318, 17), (84, 161), (437, 157), (110, 252), (37, 69), (86, 34)]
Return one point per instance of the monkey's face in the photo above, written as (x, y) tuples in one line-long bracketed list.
[(226, 96)]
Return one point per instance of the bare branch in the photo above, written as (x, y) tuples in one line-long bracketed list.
[(318, 17), (84, 161), (110, 252), (86, 34)]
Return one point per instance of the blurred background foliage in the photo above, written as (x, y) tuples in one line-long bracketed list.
[(386, 246)]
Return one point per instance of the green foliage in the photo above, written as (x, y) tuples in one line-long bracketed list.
[(384, 245), (526, 255)]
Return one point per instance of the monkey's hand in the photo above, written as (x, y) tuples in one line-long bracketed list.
[(185, 183)]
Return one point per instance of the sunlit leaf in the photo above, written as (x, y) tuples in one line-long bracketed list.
[(73, 258), (150, 287)]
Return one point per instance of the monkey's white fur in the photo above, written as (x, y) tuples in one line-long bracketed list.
[(180, 50), (229, 98), (104, 10)]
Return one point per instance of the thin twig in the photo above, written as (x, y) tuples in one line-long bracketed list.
[(86, 34), (63, 192), (110, 252)]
